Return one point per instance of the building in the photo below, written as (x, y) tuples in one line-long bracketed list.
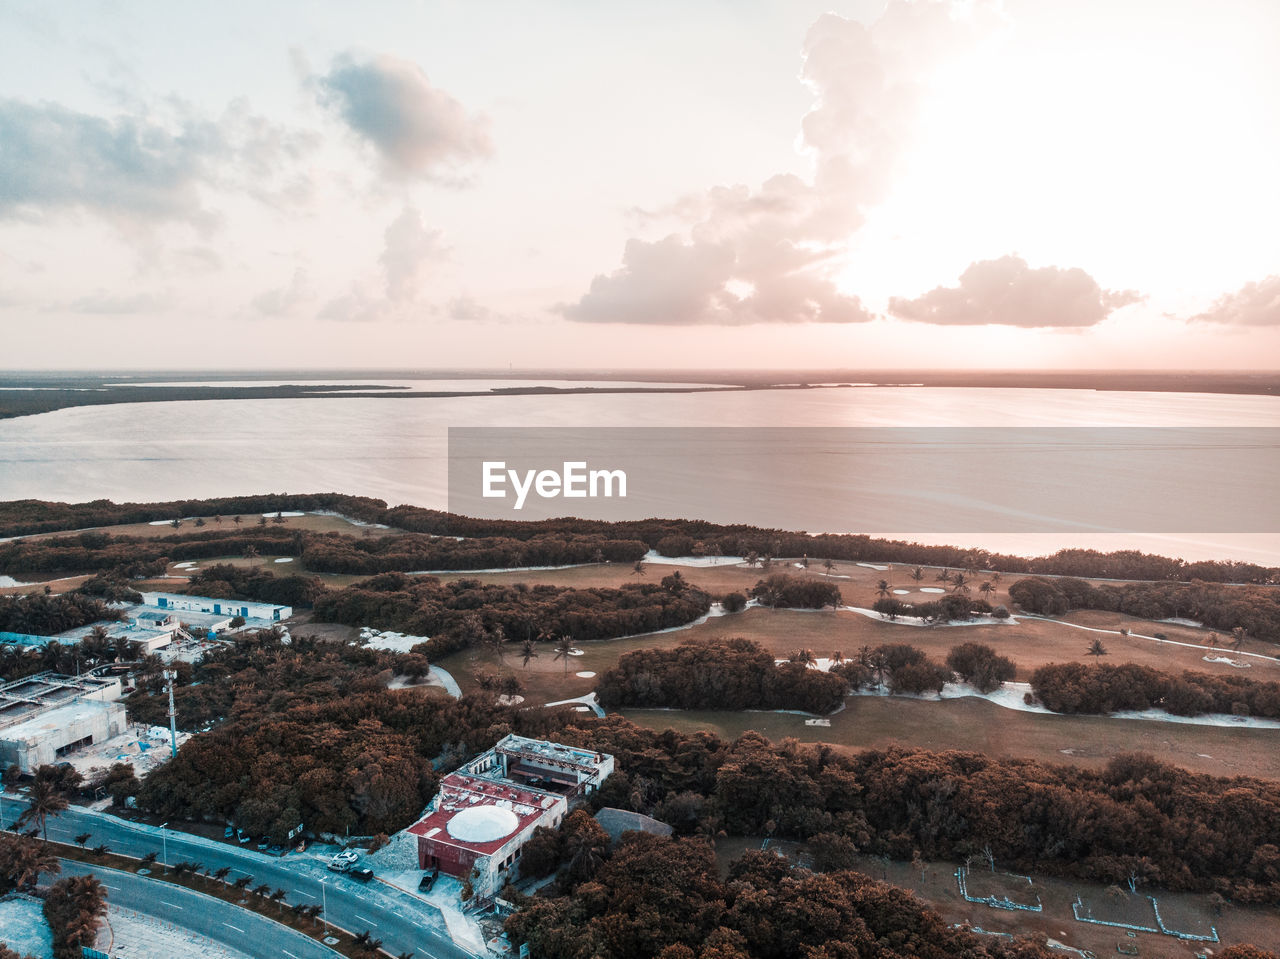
[(487, 810), (151, 629), (46, 716), (30, 639), (542, 765), (255, 614)]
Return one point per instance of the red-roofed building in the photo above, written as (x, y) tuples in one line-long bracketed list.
[(489, 808)]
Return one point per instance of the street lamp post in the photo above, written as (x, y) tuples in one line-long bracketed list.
[(324, 907), (164, 846)]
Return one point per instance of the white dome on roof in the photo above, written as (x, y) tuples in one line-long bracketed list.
[(482, 824)]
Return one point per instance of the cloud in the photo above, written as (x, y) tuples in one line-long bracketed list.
[(135, 168), (418, 130), (285, 300), (1007, 292), (467, 310), (1254, 304), (409, 252), (102, 302), (52, 157), (773, 254)]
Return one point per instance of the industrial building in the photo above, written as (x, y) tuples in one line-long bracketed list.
[(487, 810), (255, 614), (151, 629), (46, 716)]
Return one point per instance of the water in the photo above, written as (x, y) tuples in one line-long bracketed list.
[(395, 449)]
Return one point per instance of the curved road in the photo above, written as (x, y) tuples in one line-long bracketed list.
[(241, 929), (402, 921)]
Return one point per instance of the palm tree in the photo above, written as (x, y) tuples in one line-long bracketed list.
[(805, 657), (959, 583), (638, 568), (527, 652), (883, 589), (837, 658), (1213, 640), (986, 589), (236, 520), (251, 552), (87, 894), (944, 576), (1097, 649), (829, 566), (564, 649), (46, 801), (917, 574), (96, 644), (496, 640), (995, 577), (1238, 637), (26, 859)]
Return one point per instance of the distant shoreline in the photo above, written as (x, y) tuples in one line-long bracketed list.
[(29, 394)]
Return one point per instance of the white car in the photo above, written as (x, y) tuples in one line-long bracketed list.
[(347, 857)]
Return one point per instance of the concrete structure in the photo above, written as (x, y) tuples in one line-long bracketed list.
[(552, 767), (487, 810), (46, 716), (617, 821), (31, 639), (152, 629), (182, 604)]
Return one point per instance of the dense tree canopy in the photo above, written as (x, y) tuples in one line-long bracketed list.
[(461, 612), (663, 898), (1255, 609), (720, 674), (1173, 828), (308, 732), (1103, 688)]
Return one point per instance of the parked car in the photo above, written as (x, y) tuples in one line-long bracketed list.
[(264, 844), (276, 849), (243, 837), (348, 856), (229, 832), (336, 865), (428, 880), (360, 875)]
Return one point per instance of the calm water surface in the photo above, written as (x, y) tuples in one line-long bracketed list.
[(396, 449)]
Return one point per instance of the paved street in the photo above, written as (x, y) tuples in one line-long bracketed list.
[(402, 921), (242, 930)]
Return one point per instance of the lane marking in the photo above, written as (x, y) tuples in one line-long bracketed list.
[(364, 918), (236, 928), (172, 904)]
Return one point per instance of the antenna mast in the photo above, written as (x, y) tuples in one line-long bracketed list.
[(171, 675)]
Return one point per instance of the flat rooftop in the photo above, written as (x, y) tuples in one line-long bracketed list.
[(56, 721), (460, 793), (540, 750), (45, 692)]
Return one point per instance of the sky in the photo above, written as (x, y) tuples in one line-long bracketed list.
[(728, 183)]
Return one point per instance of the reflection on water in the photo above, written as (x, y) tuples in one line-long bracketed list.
[(395, 449)]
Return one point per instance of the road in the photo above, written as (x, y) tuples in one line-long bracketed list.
[(403, 922), (242, 930)]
